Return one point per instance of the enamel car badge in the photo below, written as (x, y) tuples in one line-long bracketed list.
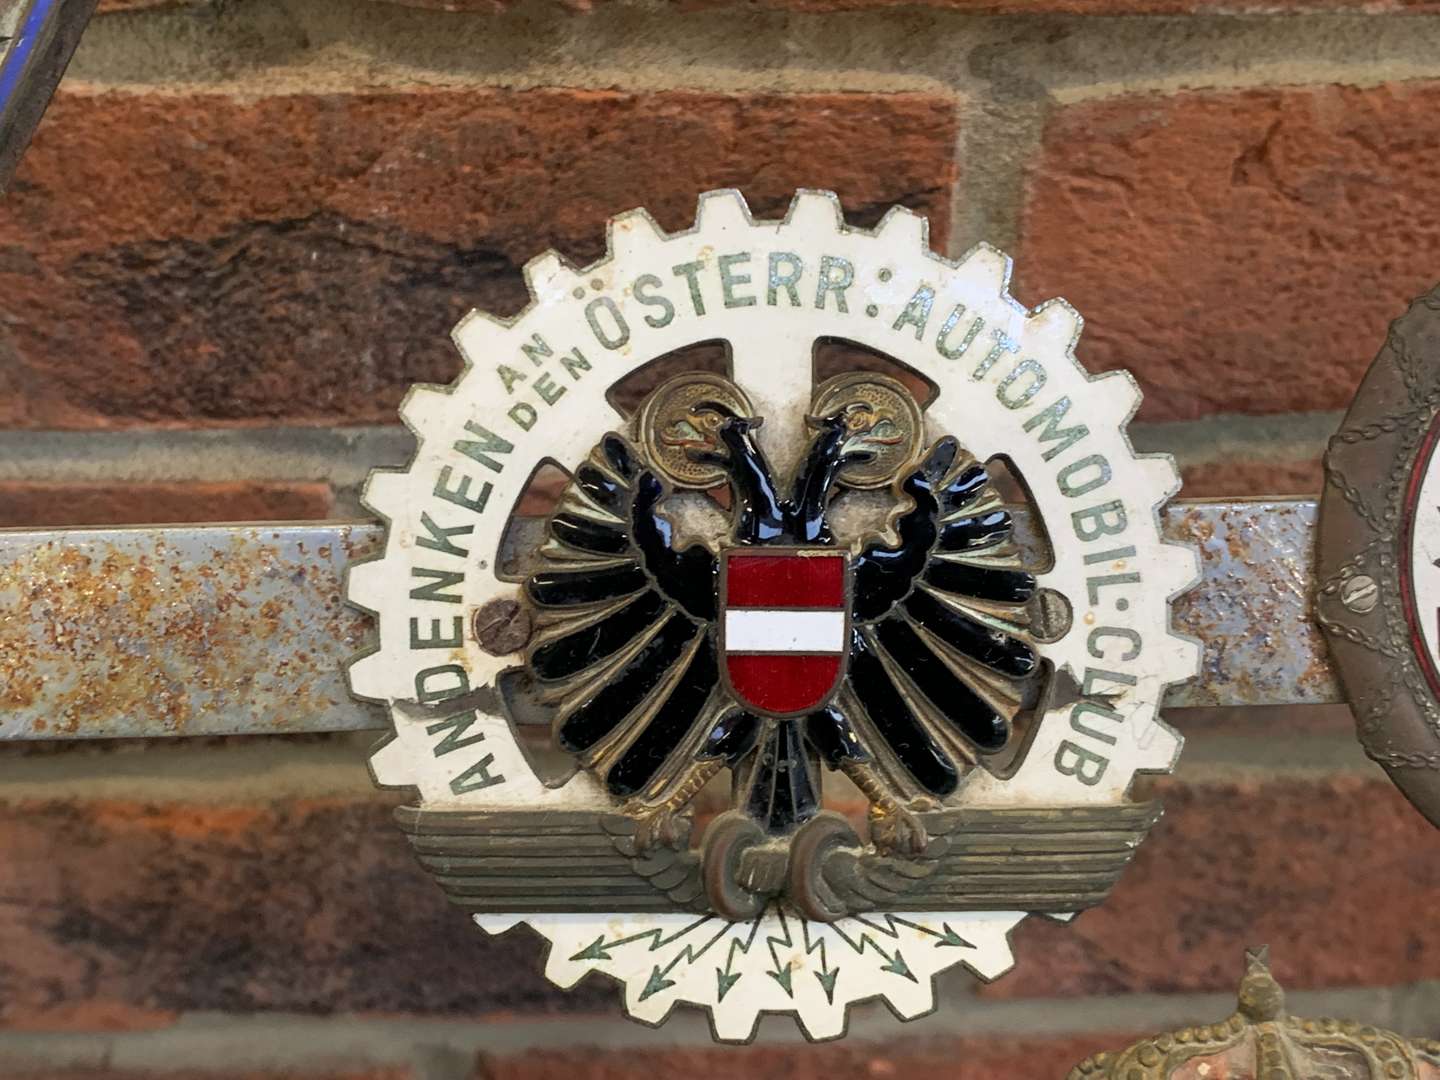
[(837, 654), (1378, 592)]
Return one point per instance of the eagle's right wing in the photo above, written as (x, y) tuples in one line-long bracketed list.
[(940, 653), (626, 647), (996, 859)]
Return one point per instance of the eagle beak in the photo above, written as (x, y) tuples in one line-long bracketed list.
[(886, 433), (685, 434)]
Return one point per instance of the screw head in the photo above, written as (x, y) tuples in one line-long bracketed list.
[(1360, 594), (502, 626), (1051, 615)]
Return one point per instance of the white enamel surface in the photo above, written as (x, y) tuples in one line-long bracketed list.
[(994, 397), (1424, 556), (758, 630), (775, 964)]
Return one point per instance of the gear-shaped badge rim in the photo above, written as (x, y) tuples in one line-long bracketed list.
[(953, 321)]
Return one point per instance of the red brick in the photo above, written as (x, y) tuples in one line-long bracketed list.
[(971, 7), (1336, 874), (187, 260), (132, 914), (473, 7), (1238, 250), (1240, 476), (355, 1073), (143, 504), (302, 907), (109, 7), (965, 1059), (486, 7), (1083, 7)]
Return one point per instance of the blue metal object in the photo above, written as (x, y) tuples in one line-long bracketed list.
[(31, 68)]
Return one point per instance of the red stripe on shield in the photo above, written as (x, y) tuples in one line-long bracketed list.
[(784, 682), (785, 580)]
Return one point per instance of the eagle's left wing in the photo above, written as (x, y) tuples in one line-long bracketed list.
[(562, 860), (626, 646), (938, 657)]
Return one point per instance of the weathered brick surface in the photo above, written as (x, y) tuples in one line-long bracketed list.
[(199, 259), (964, 1059), (1084, 7), (1237, 250), (122, 915), (138, 913), (358, 1072), (45, 504), (1335, 874), (106, 7), (1241, 476), (972, 7)]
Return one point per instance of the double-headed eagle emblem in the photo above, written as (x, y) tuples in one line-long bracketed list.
[(843, 675), (778, 644)]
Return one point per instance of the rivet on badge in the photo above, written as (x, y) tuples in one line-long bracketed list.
[(926, 578)]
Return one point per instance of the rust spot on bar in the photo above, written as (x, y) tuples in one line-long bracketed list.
[(1251, 611), (172, 631), (222, 629)]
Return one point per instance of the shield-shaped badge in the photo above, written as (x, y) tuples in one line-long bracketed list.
[(786, 623)]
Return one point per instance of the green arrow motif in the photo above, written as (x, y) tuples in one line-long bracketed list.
[(785, 977), (895, 964), (782, 976), (599, 949), (827, 982), (826, 975), (595, 950), (656, 983), (689, 954), (725, 979), (949, 937)]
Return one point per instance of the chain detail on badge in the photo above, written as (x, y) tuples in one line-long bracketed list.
[(1378, 586), (812, 684)]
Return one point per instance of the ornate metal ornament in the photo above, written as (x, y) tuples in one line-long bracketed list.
[(1378, 573), (773, 584), (1261, 1040)]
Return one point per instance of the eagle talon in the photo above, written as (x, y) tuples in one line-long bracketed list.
[(898, 830), (657, 826)]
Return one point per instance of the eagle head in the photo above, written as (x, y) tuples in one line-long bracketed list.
[(860, 430), (708, 431)]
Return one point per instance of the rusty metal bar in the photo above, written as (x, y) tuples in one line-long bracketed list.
[(181, 630), (242, 629)]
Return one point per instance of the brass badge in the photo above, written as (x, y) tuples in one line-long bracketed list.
[(929, 586), (1378, 591), (1261, 1039)]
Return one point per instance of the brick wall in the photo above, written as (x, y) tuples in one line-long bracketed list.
[(246, 227)]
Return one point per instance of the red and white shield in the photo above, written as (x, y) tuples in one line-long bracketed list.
[(785, 626)]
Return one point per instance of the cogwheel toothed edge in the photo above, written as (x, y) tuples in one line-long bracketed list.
[(550, 277)]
